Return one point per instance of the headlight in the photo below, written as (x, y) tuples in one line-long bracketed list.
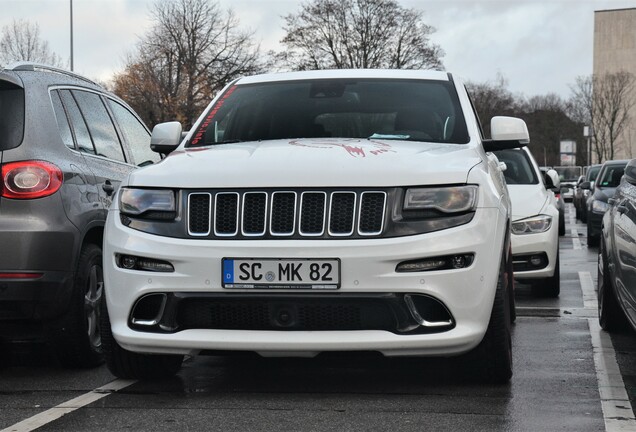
[(453, 199), (599, 206), (136, 202), (533, 225)]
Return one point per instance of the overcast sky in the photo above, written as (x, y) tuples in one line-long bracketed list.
[(539, 46)]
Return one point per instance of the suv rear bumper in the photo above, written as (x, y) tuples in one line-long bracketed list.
[(37, 240)]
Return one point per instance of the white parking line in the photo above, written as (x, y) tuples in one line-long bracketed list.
[(617, 409), (589, 293), (56, 412), (576, 243)]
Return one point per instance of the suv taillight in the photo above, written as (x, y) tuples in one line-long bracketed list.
[(30, 179)]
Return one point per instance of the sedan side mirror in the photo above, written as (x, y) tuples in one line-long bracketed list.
[(552, 180), (165, 137), (586, 185), (630, 172)]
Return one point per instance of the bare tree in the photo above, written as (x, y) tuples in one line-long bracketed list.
[(491, 99), (604, 102), (337, 34), (20, 41), (192, 51)]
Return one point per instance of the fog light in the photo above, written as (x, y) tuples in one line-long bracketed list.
[(459, 261), (447, 262), (128, 262), (423, 265), (536, 260)]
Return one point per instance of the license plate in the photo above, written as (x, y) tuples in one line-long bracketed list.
[(281, 273)]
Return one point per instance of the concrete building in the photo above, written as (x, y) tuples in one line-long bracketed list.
[(615, 51)]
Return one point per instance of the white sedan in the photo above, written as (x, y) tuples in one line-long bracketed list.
[(535, 216)]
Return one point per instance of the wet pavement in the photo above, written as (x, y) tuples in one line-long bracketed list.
[(555, 384)]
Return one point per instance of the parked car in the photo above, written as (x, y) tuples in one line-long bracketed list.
[(341, 210), (549, 180), (568, 176), (606, 183), (583, 191), (617, 257), (65, 145), (535, 228)]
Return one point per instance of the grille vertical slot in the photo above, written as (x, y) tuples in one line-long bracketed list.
[(226, 213), (342, 209), (312, 213), (282, 220), (199, 213), (371, 213), (254, 213)]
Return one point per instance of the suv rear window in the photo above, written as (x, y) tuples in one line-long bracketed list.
[(12, 117), (414, 110)]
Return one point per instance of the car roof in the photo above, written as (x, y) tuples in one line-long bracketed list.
[(346, 73), (616, 162), (28, 72)]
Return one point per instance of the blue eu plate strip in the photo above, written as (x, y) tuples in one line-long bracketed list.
[(228, 271)]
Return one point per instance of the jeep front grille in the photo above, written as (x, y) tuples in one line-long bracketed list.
[(279, 214)]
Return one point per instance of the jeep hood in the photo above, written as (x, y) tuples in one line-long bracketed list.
[(317, 162)]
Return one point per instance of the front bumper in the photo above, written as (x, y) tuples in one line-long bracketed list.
[(526, 245), (594, 223), (367, 266)]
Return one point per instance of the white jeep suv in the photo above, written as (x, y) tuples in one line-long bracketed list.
[(344, 210)]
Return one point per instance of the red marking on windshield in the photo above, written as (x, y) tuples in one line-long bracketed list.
[(208, 119)]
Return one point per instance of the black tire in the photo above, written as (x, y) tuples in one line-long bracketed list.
[(610, 315), (511, 287), (549, 287), (561, 223), (75, 337), (492, 358), (577, 212), (131, 365), (592, 240)]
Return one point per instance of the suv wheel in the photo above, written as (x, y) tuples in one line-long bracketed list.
[(76, 337), (610, 315), (561, 223), (493, 356), (131, 365)]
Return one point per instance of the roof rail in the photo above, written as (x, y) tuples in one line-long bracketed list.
[(32, 67)]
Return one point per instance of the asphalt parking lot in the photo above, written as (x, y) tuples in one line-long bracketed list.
[(568, 376)]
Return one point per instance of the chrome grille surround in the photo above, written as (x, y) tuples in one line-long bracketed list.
[(271, 214)]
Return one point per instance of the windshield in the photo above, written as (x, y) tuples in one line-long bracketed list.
[(592, 173), (569, 173), (611, 176), (518, 167), (414, 110)]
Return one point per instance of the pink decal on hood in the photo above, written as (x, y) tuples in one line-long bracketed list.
[(377, 148)]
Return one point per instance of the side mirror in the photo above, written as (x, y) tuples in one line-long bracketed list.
[(586, 185), (165, 137), (507, 133), (552, 180), (630, 172)]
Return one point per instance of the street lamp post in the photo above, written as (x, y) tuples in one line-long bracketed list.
[(587, 133)]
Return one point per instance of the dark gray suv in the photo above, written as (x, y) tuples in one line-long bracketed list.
[(65, 146)]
